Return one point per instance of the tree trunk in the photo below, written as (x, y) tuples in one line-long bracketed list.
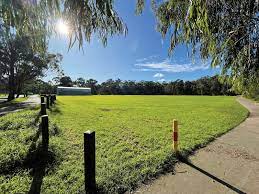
[(19, 87), (11, 83), (10, 96), (18, 91)]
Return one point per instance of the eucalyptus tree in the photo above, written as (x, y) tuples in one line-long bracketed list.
[(226, 31), (39, 86), (80, 82), (65, 81), (93, 84), (20, 64)]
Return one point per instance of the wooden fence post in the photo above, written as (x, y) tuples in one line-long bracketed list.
[(89, 162), (43, 109), (51, 100), (45, 132), (47, 97), (175, 135), (42, 99)]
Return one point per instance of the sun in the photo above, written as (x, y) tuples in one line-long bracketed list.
[(62, 27)]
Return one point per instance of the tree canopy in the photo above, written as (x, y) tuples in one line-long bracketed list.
[(20, 64), (38, 19), (226, 31), (64, 81)]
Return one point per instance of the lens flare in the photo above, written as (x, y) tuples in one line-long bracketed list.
[(62, 27)]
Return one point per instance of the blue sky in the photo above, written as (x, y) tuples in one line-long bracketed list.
[(141, 55)]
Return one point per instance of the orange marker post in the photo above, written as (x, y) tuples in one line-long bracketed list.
[(175, 135)]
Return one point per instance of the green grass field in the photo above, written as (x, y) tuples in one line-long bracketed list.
[(133, 139)]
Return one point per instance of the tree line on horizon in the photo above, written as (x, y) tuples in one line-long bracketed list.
[(203, 86)]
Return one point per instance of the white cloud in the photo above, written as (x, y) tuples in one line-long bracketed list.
[(167, 66), (159, 75)]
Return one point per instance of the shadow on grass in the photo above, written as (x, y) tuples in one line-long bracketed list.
[(187, 161), (40, 163), (55, 109), (37, 160), (38, 175)]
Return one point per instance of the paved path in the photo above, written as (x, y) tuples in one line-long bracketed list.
[(230, 164), (30, 102), (3, 99)]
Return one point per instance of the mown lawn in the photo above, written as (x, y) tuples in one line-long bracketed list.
[(133, 139)]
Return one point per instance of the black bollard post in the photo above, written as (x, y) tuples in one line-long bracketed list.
[(89, 158), (43, 109), (45, 132), (42, 99), (51, 100)]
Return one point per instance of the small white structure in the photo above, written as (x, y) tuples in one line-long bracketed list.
[(73, 91)]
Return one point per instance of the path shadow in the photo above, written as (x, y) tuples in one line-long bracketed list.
[(189, 163)]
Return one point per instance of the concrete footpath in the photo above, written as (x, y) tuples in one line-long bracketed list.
[(32, 101), (230, 164)]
